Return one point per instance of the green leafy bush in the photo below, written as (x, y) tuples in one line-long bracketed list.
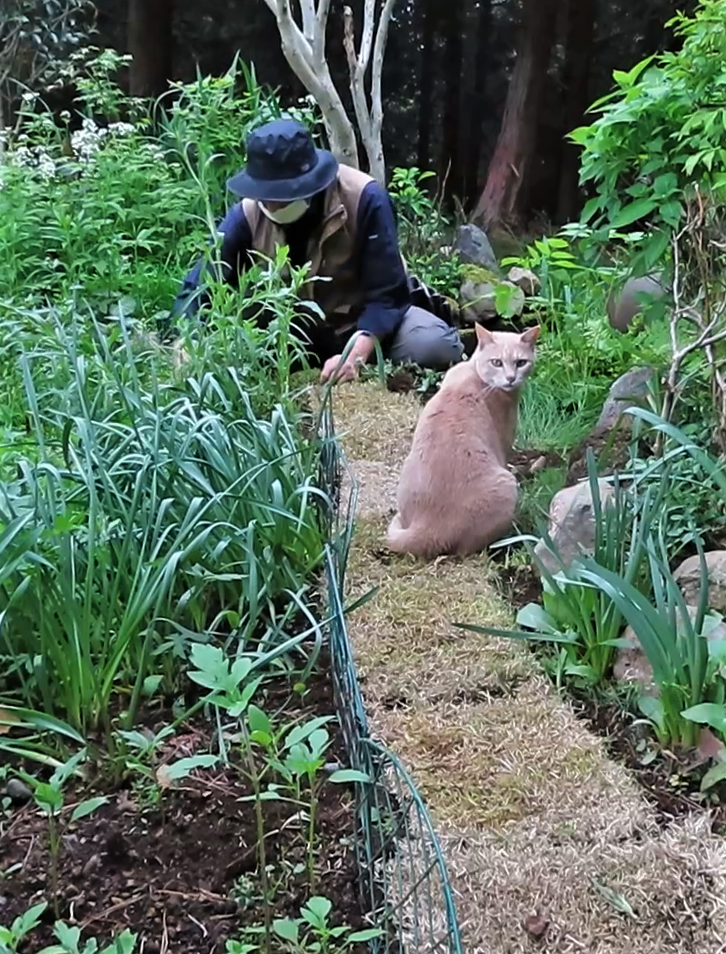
[(144, 507), (582, 624), (423, 230), (655, 159), (117, 211), (660, 132)]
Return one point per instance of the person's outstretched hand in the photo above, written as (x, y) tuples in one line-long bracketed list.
[(358, 355), (348, 370)]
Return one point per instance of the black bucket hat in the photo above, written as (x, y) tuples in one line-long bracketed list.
[(283, 165)]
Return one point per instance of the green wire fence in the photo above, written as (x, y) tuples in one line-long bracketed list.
[(402, 874)]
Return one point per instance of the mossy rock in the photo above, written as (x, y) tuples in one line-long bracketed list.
[(479, 275)]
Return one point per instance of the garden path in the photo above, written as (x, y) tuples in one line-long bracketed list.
[(536, 822)]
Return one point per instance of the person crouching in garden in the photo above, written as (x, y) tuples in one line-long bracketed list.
[(342, 223)]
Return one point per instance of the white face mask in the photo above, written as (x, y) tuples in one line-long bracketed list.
[(288, 213)]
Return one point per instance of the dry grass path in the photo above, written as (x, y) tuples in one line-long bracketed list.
[(533, 817)]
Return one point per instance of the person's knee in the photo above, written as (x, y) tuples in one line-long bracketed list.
[(427, 341)]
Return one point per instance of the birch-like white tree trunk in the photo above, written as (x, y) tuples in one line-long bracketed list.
[(303, 45), (369, 114), (304, 50)]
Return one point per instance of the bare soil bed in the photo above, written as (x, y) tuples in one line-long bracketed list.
[(181, 871), (671, 780)]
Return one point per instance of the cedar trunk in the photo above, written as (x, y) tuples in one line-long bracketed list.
[(426, 83), (150, 44), (453, 61), (507, 178), (482, 65), (579, 40)]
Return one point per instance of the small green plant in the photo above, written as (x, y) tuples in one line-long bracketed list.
[(423, 231), (12, 937), (312, 932), (712, 714), (293, 754), (69, 938), (684, 648), (49, 797), (138, 752), (551, 260), (69, 942), (584, 624), (232, 686)]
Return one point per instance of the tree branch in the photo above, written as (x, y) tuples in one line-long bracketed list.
[(378, 56), (357, 77), (366, 43), (321, 29), (370, 118), (306, 57), (292, 35), (309, 20)]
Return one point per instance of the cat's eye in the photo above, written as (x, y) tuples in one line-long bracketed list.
[(497, 362), (520, 362)]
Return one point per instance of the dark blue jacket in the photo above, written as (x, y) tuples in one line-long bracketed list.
[(382, 274)]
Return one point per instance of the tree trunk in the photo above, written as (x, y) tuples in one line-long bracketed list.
[(579, 37), (426, 83), (482, 65), (150, 44), (453, 58), (506, 183)]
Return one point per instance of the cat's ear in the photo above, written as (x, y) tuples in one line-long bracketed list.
[(484, 337), (530, 335)]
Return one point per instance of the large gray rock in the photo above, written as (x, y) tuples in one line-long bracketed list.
[(18, 791), (631, 663), (625, 305), (688, 577), (474, 247), (572, 525), (630, 388)]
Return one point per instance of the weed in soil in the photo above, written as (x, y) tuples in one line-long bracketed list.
[(186, 877), (671, 780)]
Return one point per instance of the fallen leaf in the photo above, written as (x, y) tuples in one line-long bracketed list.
[(7, 719), (616, 900), (709, 747)]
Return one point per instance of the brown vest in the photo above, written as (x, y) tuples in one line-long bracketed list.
[(330, 248)]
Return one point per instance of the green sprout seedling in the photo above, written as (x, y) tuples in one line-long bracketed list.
[(139, 749), (69, 939), (231, 688), (297, 753), (49, 797), (11, 937), (312, 932)]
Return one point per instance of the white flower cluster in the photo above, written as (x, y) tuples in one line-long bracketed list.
[(35, 157), (90, 138), (86, 143)]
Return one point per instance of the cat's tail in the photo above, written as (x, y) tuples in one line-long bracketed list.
[(413, 540)]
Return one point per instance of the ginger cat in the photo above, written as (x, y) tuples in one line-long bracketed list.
[(455, 493)]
